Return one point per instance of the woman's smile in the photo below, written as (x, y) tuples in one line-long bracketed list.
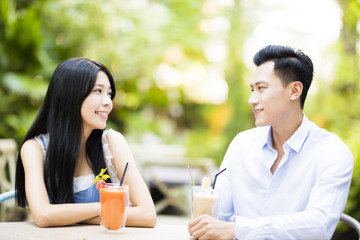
[(103, 114)]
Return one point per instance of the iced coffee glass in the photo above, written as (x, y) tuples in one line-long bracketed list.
[(114, 201), (204, 201)]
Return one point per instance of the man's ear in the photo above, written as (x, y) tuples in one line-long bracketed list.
[(296, 90)]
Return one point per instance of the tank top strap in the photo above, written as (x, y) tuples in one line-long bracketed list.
[(43, 140)]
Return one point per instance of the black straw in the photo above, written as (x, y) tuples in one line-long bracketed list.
[(213, 186), (122, 178)]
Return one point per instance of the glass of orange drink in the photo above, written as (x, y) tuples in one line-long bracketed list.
[(114, 201)]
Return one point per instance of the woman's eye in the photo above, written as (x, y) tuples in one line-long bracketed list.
[(97, 91)]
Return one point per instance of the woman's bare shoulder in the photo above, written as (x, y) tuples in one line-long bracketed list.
[(118, 145), (31, 148), (114, 137)]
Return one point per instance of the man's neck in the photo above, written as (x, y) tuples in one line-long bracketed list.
[(283, 131)]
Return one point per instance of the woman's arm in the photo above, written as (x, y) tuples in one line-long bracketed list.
[(43, 213), (94, 220), (142, 213)]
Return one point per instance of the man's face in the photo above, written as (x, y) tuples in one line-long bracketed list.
[(270, 100)]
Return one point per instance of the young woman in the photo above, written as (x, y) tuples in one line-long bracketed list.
[(66, 147)]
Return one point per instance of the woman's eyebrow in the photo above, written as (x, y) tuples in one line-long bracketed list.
[(101, 85)]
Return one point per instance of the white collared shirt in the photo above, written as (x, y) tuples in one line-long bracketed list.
[(305, 196)]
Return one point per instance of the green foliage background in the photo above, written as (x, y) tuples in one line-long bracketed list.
[(133, 40)]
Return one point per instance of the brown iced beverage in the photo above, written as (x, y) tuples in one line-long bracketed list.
[(204, 201)]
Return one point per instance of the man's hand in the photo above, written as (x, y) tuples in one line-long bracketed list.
[(207, 227)]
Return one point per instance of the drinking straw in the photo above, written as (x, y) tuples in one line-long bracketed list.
[(213, 186), (192, 180), (122, 178)]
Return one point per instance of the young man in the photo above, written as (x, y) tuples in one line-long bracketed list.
[(287, 178)]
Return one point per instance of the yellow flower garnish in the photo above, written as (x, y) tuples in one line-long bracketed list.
[(205, 183), (101, 176)]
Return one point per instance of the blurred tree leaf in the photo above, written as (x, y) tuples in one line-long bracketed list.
[(23, 84)]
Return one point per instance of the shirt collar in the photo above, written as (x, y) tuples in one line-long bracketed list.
[(296, 140), (267, 140)]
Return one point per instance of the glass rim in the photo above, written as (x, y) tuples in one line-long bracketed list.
[(201, 187), (114, 185)]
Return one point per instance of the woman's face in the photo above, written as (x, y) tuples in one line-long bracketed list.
[(97, 105)]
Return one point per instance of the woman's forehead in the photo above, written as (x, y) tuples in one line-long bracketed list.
[(102, 79)]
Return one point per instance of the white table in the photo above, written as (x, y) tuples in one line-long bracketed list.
[(167, 228)]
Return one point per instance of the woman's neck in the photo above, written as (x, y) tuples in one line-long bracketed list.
[(82, 167)]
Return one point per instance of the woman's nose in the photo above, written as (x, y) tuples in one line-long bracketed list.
[(106, 100)]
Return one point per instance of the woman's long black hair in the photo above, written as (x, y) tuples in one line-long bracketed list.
[(60, 116)]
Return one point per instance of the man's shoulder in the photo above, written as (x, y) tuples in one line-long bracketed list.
[(324, 135), (323, 139)]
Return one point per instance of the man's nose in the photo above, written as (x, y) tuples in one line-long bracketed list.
[(253, 99)]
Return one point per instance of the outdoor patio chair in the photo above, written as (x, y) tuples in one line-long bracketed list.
[(8, 152), (164, 168), (7, 195), (352, 222), (171, 178), (11, 213)]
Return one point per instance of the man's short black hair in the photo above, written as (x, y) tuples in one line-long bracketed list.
[(290, 65)]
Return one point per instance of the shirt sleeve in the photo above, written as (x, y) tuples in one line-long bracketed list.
[(319, 219), (225, 204)]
